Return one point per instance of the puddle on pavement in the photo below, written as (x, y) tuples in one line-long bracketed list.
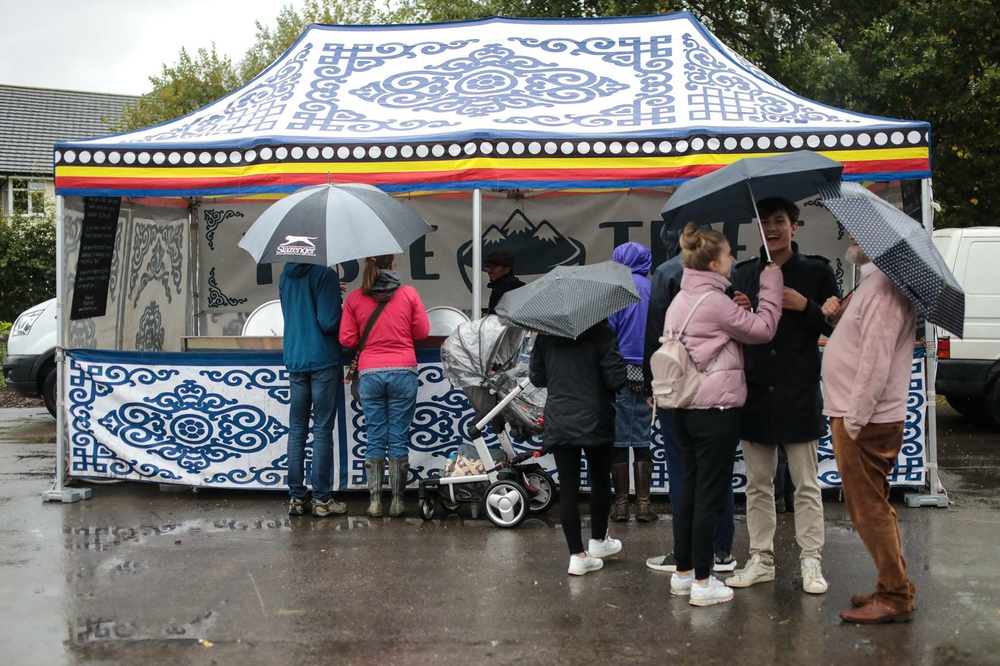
[(90, 630)]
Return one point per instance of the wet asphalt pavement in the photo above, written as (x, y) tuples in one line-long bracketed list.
[(136, 576)]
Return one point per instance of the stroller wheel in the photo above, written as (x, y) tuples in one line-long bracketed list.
[(546, 487), (426, 508), (506, 504)]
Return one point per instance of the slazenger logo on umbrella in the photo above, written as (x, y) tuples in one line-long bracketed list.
[(301, 246)]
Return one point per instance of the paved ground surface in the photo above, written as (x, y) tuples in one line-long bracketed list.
[(142, 577)]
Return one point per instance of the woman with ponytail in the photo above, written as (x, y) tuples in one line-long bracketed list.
[(388, 372), (708, 428)]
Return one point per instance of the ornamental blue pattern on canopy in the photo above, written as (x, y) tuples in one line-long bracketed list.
[(497, 102)]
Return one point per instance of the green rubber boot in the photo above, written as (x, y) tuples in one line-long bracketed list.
[(398, 475), (374, 473)]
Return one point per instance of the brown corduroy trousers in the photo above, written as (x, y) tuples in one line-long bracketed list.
[(864, 464)]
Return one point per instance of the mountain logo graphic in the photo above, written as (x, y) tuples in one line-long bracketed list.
[(537, 248)]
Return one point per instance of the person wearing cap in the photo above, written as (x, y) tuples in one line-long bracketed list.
[(500, 267)]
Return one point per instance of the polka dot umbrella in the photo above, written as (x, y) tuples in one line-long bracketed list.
[(570, 299), (902, 249)]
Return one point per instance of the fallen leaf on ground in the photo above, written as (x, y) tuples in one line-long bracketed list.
[(611, 606), (207, 643), (286, 611)]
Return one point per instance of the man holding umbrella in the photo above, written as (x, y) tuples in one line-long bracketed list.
[(310, 304), (866, 374), (784, 405)]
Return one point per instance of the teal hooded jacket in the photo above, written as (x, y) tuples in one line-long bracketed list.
[(310, 304)]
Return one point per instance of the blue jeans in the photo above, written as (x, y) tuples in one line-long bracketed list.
[(313, 393), (675, 473), (633, 419), (388, 399)]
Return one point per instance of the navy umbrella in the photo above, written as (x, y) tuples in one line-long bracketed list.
[(568, 300), (732, 192), (902, 249), (330, 224)]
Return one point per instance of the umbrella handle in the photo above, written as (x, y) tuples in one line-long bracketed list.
[(760, 225)]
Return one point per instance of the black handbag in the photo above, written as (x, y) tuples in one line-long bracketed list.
[(352, 372)]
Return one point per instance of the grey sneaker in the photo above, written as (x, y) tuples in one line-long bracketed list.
[(331, 507), (297, 507), (662, 563)]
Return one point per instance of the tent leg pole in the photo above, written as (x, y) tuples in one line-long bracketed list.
[(59, 491), (477, 254), (933, 497)]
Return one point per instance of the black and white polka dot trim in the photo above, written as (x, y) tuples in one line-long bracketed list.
[(508, 148)]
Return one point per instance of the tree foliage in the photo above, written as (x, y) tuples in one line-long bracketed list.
[(27, 264), (933, 60)]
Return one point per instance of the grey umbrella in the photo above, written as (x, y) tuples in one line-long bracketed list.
[(902, 249), (329, 224), (570, 299), (732, 192)]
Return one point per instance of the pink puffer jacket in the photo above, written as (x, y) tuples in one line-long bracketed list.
[(718, 327)]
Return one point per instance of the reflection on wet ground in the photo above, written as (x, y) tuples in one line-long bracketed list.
[(139, 576)]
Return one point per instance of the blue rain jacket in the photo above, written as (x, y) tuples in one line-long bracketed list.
[(310, 303), (630, 324)]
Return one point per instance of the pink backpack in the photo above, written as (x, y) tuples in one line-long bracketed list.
[(676, 379)]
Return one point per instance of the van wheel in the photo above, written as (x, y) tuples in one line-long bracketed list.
[(992, 404), (49, 392), (968, 406)]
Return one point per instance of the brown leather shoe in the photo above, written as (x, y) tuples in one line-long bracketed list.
[(619, 475), (875, 613), (858, 600)]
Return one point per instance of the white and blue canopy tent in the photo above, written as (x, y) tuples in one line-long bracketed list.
[(440, 112)]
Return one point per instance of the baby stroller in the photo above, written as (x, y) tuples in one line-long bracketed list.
[(489, 362)]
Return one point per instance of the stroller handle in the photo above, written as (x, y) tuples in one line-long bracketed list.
[(521, 385)]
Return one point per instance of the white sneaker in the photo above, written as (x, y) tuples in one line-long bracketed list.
[(756, 571), (605, 548), (680, 586), (712, 593), (812, 576), (579, 566)]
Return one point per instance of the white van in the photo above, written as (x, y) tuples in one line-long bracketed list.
[(30, 365), (968, 367)]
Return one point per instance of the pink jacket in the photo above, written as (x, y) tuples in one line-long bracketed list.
[(390, 344), (718, 327)]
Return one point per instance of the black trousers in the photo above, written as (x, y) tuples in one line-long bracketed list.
[(707, 439), (568, 466)]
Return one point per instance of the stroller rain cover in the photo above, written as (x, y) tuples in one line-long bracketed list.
[(483, 357)]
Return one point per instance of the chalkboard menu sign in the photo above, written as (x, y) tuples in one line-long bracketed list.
[(97, 249)]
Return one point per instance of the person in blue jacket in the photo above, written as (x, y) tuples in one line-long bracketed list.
[(633, 417), (310, 304)]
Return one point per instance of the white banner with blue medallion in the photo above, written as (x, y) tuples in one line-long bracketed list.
[(221, 420)]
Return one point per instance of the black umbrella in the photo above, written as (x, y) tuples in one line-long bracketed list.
[(902, 249), (732, 192), (570, 299)]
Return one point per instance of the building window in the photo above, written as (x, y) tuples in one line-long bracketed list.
[(27, 197)]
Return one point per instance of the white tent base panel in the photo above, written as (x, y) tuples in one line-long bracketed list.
[(221, 421)]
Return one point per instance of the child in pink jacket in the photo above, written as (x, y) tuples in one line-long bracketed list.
[(708, 429)]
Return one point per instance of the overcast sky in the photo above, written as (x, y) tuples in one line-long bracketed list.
[(114, 46)]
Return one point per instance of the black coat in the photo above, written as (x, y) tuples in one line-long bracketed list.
[(665, 284), (784, 404), (500, 287), (582, 377)]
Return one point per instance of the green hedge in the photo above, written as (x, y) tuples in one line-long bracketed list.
[(27, 264)]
